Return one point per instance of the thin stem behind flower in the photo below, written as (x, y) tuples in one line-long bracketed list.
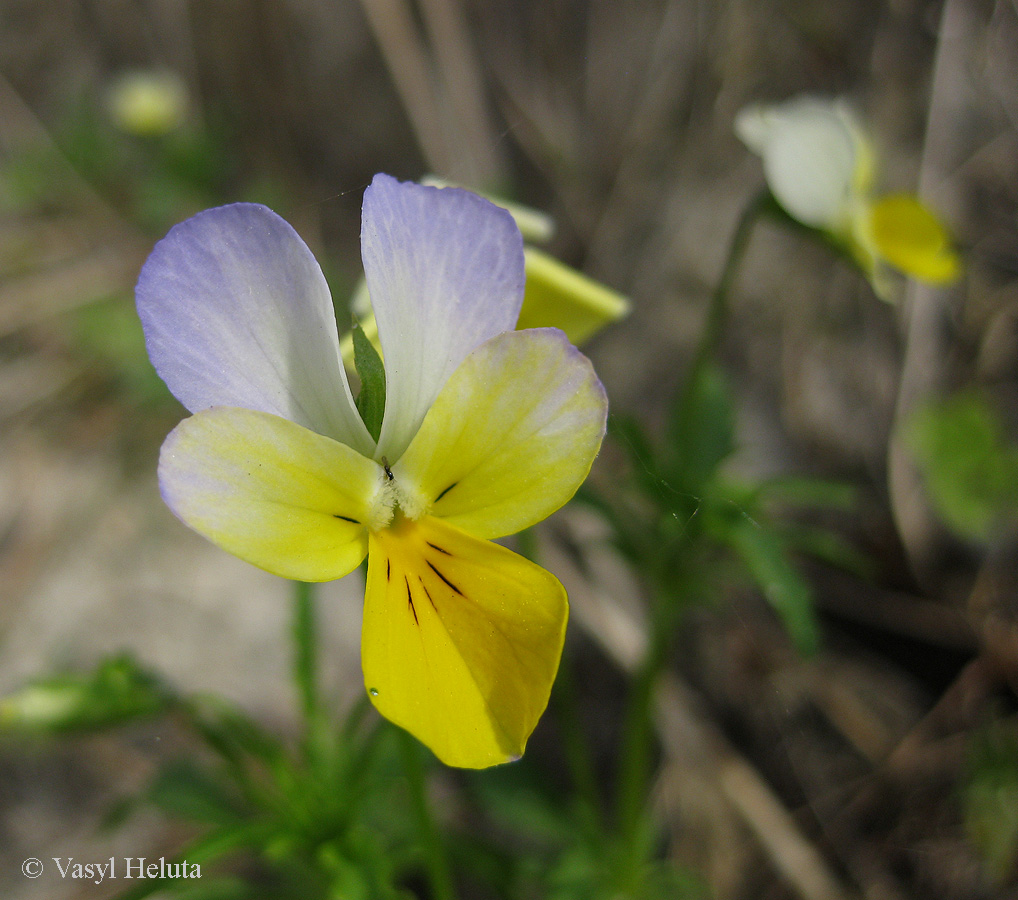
[(305, 648), (668, 593), (717, 311), (435, 860)]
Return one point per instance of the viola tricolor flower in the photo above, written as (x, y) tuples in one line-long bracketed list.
[(486, 431), (819, 166)]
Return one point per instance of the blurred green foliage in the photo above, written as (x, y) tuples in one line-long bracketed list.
[(118, 690), (970, 467), (682, 516), (557, 851), (990, 797), (325, 820)]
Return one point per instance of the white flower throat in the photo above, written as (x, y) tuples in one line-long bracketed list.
[(394, 500)]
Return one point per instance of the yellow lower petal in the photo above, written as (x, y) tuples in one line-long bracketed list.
[(911, 238), (461, 640)]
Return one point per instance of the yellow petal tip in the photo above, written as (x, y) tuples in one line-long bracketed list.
[(461, 641), (910, 237), (559, 296)]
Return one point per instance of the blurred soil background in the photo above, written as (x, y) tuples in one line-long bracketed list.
[(887, 766)]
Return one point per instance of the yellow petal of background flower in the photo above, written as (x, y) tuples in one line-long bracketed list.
[(511, 436), (556, 295), (461, 640), (274, 493), (911, 238)]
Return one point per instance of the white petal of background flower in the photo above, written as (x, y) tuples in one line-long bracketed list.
[(809, 153)]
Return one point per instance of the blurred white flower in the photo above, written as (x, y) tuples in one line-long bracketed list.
[(820, 166)]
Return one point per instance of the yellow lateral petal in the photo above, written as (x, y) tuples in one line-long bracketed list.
[(911, 238), (277, 495), (558, 296), (461, 640), (509, 438)]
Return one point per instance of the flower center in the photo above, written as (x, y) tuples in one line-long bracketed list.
[(394, 502)]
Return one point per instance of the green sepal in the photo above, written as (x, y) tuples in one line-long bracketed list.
[(371, 399)]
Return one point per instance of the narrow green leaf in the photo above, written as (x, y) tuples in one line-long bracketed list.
[(806, 490), (184, 791), (632, 437), (701, 433), (764, 556), (631, 537), (828, 547), (371, 399), (231, 733)]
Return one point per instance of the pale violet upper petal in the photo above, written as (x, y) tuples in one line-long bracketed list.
[(236, 312), (810, 157), (444, 268)]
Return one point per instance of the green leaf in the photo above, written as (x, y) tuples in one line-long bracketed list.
[(184, 791), (371, 399), (701, 433), (232, 734), (812, 492), (630, 534), (117, 691), (521, 804), (971, 471), (991, 798), (763, 554), (829, 547), (632, 437)]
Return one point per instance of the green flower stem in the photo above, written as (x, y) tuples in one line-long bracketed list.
[(576, 748), (564, 697), (635, 758), (435, 860), (306, 653), (717, 311)]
